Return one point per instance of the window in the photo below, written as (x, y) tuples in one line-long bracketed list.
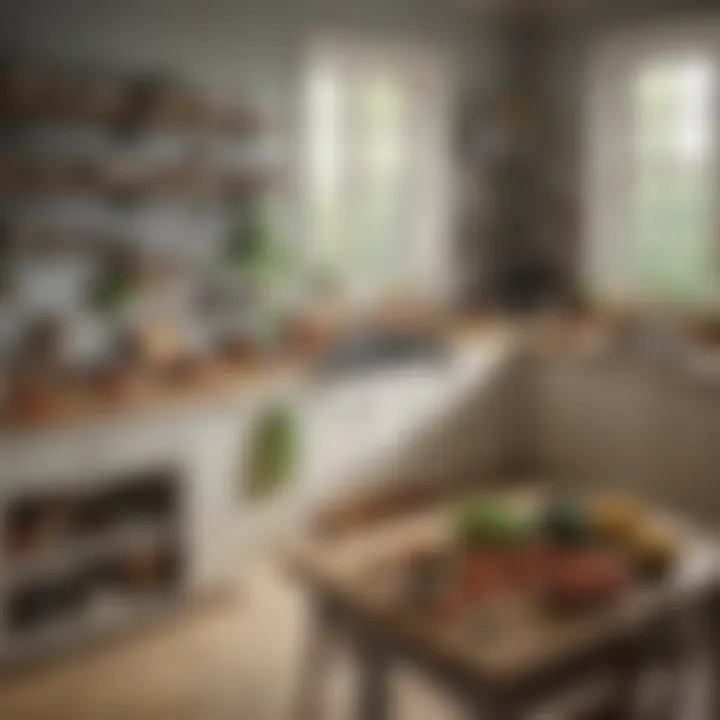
[(653, 162), (377, 176)]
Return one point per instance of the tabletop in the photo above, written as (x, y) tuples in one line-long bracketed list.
[(508, 641)]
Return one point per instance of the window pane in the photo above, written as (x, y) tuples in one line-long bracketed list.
[(363, 166), (324, 162), (377, 216), (672, 202)]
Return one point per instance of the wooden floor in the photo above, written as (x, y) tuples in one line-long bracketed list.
[(237, 660)]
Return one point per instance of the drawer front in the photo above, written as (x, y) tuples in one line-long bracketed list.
[(39, 460), (354, 424), (121, 446)]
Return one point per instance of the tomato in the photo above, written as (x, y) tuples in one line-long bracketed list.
[(587, 576)]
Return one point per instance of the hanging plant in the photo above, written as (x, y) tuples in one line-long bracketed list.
[(249, 244), (112, 293), (273, 453), (254, 245), (6, 262), (117, 285), (6, 279)]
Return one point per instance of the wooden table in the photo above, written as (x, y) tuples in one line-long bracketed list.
[(498, 671)]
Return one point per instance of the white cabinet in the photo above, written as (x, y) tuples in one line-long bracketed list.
[(201, 447), (213, 495), (87, 453), (123, 444), (688, 475), (564, 413), (623, 424), (597, 420), (43, 459), (397, 422), (352, 426)]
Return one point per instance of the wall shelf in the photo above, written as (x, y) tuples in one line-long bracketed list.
[(131, 106), (22, 179)]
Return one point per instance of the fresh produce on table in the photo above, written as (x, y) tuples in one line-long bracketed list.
[(566, 555), (616, 519), (565, 522), (494, 522), (587, 578), (653, 552)]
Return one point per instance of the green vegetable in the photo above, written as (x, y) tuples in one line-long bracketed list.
[(566, 523), (249, 246), (493, 522)]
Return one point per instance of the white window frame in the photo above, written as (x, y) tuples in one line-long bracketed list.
[(608, 181), (432, 270)]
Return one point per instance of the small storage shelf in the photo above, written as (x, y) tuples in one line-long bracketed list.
[(78, 552), (53, 637), (21, 178), (87, 558)]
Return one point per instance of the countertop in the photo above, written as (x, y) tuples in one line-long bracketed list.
[(220, 381)]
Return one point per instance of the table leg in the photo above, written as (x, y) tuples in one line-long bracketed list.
[(712, 619), (317, 655), (374, 681), (494, 710), (627, 671), (668, 655)]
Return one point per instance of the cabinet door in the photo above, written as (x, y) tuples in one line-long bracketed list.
[(354, 425), (269, 471), (336, 423), (629, 398), (689, 476), (212, 497), (398, 405), (126, 444), (596, 421), (565, 419), (44, 459)]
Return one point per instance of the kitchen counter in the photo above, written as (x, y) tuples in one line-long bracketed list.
[(400, 424), (75, 405), (351, 430)]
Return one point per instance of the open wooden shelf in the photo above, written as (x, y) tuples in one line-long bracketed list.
[(32, 94), (28, 178)]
